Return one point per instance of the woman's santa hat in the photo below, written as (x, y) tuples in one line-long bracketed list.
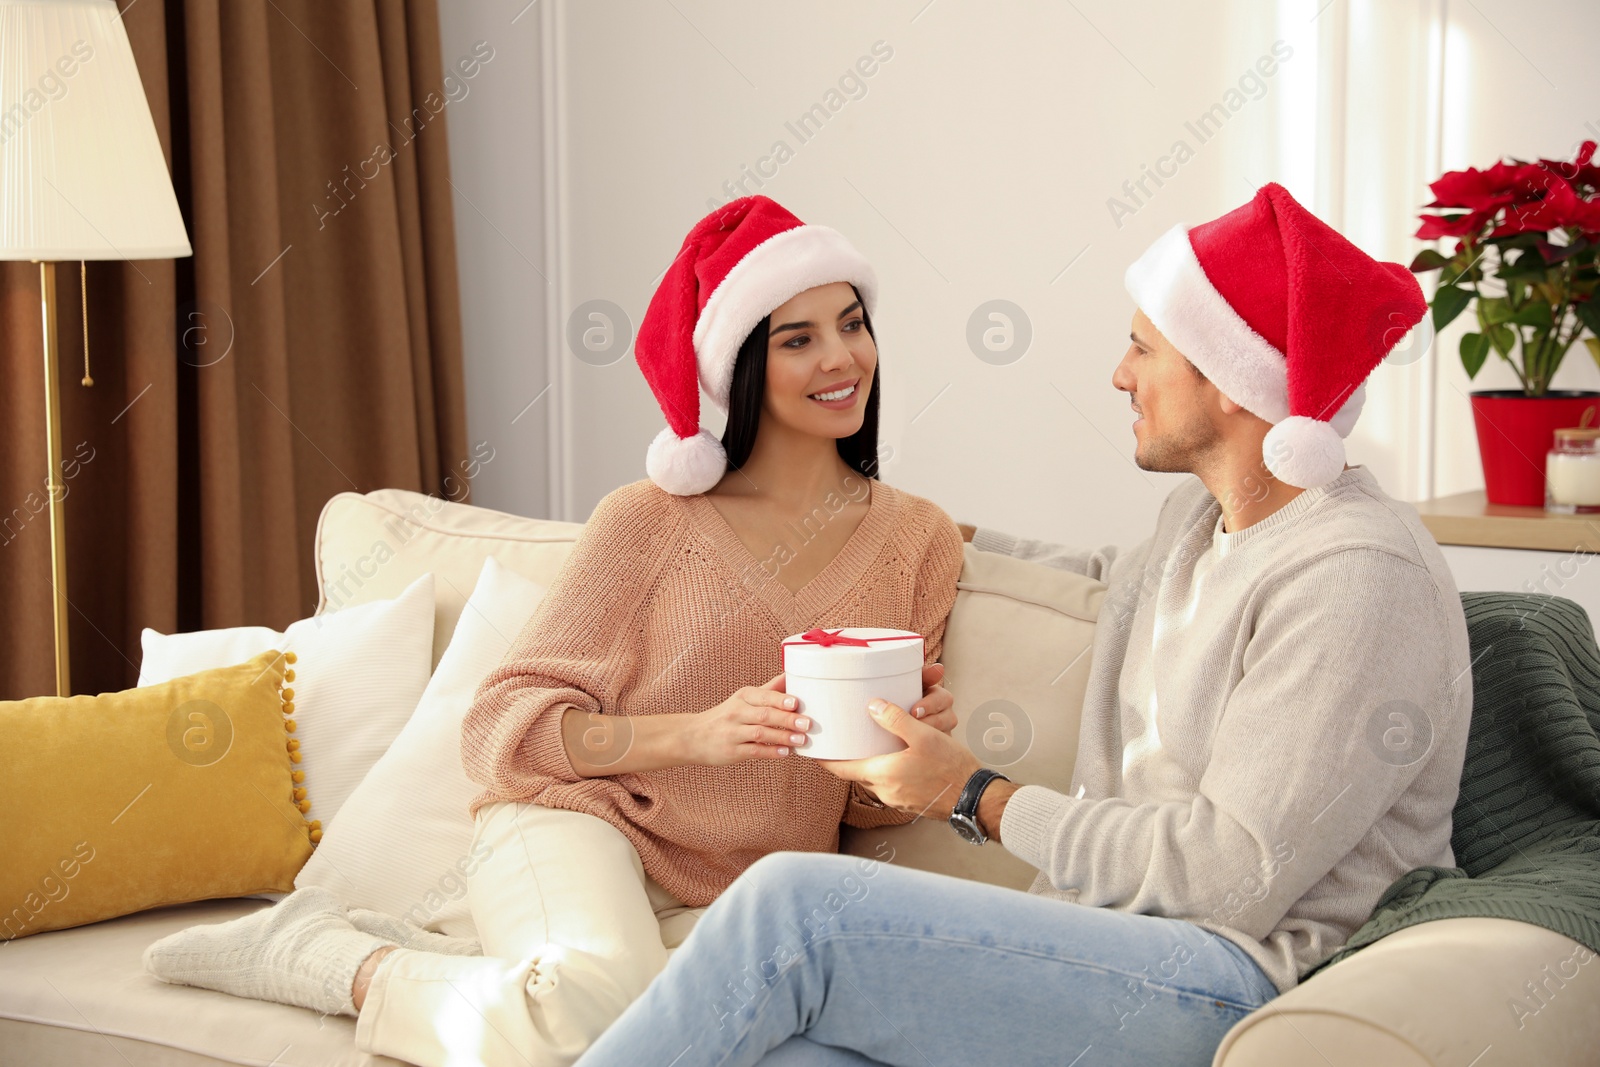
[(739, 264), (1287, 318)]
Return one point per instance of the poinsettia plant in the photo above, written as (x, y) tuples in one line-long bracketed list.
[(1527, 241)]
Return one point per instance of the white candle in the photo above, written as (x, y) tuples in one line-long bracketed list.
[(1573, 478)]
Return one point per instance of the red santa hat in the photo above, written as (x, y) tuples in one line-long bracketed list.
[(738, 264), (1287, 318)]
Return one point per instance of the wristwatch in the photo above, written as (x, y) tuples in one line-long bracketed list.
[(965, 816)]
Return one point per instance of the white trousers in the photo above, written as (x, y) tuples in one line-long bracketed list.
[(572, 931)]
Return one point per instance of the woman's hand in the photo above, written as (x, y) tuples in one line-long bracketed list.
[(937, 706), (756, 722), (760, 722)]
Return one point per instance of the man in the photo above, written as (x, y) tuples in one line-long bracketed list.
[(1273, 732)]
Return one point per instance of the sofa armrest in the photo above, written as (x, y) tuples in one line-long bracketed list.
[(1441, 992)]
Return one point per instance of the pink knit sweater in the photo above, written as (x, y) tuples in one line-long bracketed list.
[(660, 608)]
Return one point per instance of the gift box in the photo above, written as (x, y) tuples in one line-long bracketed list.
[(834, 673)]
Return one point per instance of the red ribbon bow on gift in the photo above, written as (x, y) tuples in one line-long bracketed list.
[(827, 638)]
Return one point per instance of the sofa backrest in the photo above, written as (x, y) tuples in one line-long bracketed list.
[(1016, 651), (371, 546)]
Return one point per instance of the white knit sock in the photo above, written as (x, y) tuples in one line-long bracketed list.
[(407, 934), (300, 951)]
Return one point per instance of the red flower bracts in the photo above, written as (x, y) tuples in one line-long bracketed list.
[(1517, 197)]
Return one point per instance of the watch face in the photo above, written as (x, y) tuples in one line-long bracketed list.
[(968, 828)]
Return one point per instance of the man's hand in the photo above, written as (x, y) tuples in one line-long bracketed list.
[(924, 778)]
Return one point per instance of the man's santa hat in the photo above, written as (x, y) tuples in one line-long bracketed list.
[(1287, 318), (738, 265)]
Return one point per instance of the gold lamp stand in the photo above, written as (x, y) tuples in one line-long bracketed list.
[(53, 483), (94, 153)]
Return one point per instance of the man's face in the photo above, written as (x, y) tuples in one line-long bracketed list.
[(1174, 406)]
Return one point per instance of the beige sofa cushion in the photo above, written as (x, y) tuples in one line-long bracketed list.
[(1017, 652), (1440, 993), (80, 998), (370, 547)]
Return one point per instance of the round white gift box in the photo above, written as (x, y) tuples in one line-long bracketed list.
[(835, 672)]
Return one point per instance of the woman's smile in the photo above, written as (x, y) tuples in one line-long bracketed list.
[(839, 397)]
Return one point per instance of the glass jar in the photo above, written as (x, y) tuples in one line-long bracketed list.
[(1572, 472)]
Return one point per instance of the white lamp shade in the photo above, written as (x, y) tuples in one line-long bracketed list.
[(82, 175)]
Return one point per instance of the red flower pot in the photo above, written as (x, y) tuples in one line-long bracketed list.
[(1514, 433)]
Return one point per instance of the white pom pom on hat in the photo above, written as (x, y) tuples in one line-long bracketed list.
[(684, 466), (1303, 451), (737, 265), (1285, 315)]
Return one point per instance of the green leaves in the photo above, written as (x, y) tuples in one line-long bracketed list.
[(1474, 350), (1428, 259), (1493, 309), (1594, 348), (1449, 302), (1526, 239), (1536, 314), (1529, 264), (1462, 268), (1588, 313), (1504, 339)]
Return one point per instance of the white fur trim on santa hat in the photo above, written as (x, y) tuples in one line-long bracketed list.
[(1303, 452), (770, 274), (685, 466), (1171, 288)]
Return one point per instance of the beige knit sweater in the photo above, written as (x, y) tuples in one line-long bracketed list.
[(660, 608)]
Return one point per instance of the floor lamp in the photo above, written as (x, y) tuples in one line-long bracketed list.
[(82, 176)]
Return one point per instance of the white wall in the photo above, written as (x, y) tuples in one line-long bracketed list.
[(1564, 574), (976, 165), (497, 162)]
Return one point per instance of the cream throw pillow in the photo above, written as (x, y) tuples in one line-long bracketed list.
[(1016, 656), (359, 675), (402, 843)]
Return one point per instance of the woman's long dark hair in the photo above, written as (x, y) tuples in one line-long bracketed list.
[(859, 451)]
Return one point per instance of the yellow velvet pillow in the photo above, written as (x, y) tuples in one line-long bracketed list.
[(169, 793)]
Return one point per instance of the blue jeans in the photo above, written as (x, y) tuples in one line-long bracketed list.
[(811, 960)]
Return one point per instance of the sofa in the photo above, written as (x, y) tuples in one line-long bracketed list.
[(1017, 654)]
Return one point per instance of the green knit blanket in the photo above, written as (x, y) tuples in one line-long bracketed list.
[(1526, 827)]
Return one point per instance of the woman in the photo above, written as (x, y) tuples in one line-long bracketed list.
[(614, 808)]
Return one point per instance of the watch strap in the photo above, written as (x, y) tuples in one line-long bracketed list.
[(972, 792)]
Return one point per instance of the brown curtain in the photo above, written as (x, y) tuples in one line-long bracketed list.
[(311, 346)]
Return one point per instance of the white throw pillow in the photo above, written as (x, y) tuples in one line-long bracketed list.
[(402, 845), (358, 676)]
